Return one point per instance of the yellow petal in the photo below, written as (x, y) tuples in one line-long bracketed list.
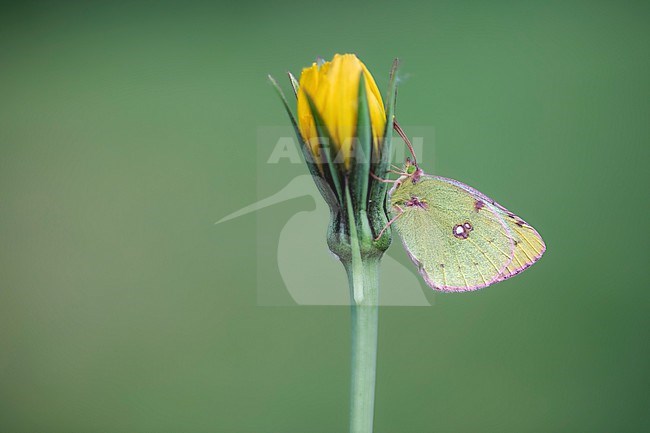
[(334, 89), (308, 83)]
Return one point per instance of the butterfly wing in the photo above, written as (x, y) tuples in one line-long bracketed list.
[(454, 247), (459, 238), (529, 245)]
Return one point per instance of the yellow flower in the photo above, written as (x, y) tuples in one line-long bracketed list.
[(334, 90)]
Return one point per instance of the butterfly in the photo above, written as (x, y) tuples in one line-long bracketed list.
[(459, 238)]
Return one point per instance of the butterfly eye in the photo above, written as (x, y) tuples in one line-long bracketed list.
[(460, 231)]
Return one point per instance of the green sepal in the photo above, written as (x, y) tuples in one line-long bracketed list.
[(384, 159), (360, 163), (333, 172), (280, 93), (377, 211), (294, 84), (319, 180), (355, 258)]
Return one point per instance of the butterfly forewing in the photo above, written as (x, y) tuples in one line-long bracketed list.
[(529, 245), (456, 246), (459, 238)]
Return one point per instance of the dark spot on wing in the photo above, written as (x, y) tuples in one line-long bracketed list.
[(478, 205), (460, 231), (468, 226), (442, 266), (417, 202), (518, 220)]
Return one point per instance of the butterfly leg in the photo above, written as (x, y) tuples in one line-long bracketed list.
[(401, 212), (374, 176)]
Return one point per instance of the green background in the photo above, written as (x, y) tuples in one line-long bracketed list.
[(126, 130)]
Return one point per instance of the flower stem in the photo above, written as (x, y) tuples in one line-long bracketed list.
[(364, 278)]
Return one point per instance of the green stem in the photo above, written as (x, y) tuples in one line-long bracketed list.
[(364, 279)]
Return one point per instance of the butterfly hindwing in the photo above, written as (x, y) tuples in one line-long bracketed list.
[(529, 245), (459, 238), (455, 247)]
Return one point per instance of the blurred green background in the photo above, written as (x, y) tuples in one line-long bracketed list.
[(126, 130)]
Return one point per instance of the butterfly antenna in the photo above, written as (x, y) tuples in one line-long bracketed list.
[(401, 133)]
